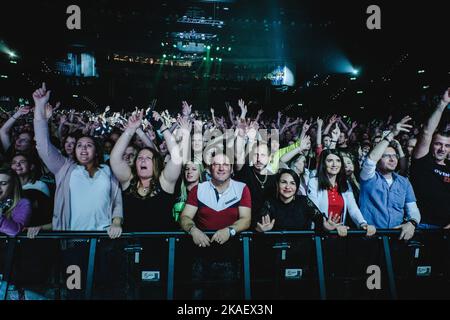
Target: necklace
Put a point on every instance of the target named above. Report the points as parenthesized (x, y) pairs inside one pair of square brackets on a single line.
[(144, 189), (262, 183)]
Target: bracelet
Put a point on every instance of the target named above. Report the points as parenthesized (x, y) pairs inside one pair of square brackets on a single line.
[(14, 118), (164, 130), (334, 141), (190, 229), (413, 222)]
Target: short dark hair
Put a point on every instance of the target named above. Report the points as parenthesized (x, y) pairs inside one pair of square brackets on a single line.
[(291, 173), (444, 133)]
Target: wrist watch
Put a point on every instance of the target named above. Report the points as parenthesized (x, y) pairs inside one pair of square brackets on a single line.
[(232, 231), (413, 222)]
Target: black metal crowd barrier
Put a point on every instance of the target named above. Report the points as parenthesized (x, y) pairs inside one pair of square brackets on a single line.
[(385, 238)]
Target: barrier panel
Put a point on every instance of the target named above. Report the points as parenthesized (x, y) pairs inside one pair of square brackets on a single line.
[(273, 265)]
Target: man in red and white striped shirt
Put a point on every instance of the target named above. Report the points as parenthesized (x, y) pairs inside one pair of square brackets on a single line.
[(222, 205)]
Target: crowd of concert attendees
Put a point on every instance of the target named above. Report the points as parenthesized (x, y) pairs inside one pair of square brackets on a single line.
[(149, 170)]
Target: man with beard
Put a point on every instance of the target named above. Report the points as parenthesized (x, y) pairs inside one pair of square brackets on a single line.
[(430, 170), (387, 199), (259, 180)]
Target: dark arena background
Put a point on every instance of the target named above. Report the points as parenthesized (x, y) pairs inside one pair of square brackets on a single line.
[(101, 198)]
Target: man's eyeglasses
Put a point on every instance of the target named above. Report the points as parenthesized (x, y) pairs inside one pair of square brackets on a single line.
[(390, 156)]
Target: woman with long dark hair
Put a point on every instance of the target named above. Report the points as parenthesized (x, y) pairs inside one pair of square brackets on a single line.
[(148, 186), (88, 196), (289, 211), (332, 194)]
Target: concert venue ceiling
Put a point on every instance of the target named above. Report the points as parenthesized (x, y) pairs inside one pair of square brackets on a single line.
[(332, 55)]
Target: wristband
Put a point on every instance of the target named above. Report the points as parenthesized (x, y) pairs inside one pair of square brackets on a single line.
[(156, 124), (164, 130), (413, 222), (190, 229)]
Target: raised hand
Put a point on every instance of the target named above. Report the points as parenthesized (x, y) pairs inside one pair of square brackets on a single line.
[(185, 125), (335, 133), (41, 96), (266, 224), (243, 107), (402, 126), (354, 124), (48, 111), (333, 119), (135, 121), (22, 111), (305, 142), (62, 119), (319, 122), (186, 109)]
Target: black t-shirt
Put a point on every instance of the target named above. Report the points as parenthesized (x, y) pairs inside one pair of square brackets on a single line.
[(150, 213), (295, 215), (431, 183), (258, 193), (42, 207)]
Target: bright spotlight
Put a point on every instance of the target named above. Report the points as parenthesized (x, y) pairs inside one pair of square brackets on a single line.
[(355, 72)]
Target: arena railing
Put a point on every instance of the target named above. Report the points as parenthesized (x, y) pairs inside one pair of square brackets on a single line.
[(172, 238)]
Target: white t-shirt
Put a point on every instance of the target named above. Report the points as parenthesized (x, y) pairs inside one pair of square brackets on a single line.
[(38, 185), (90, 199)]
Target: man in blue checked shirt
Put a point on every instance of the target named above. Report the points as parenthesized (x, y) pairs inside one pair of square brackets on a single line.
[(387, 199)]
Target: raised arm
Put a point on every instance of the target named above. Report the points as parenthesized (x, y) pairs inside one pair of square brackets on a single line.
[(319, 132), (51, 156), (146, 139), (402, 161), (352, 128), (120, 167), (292, 153), (240, 145), (378, 150), (6, 128), (424, 141), (332, 121), (335, 136), (172, 169)]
